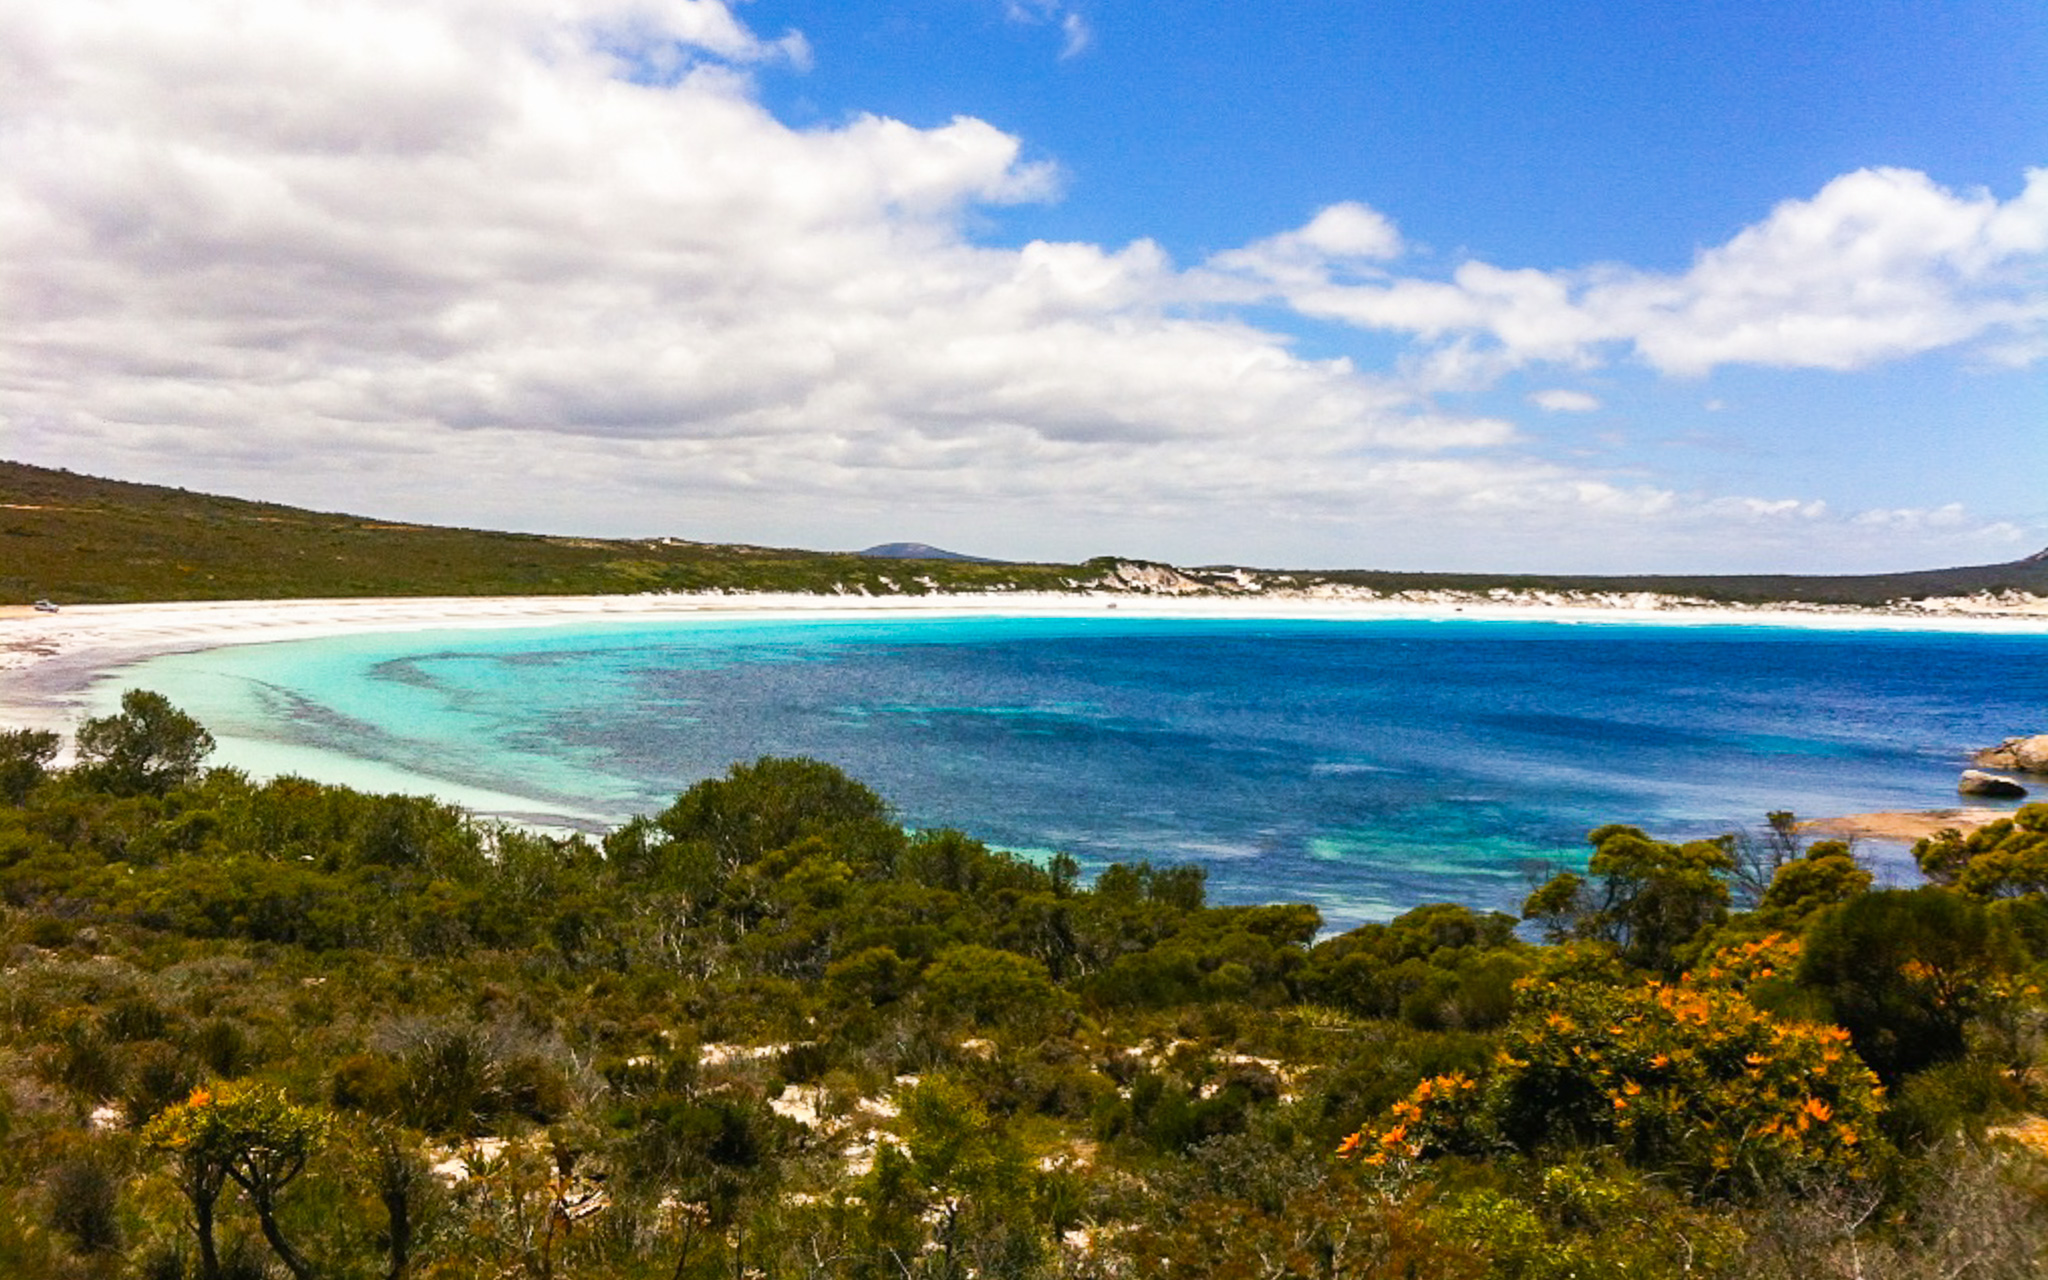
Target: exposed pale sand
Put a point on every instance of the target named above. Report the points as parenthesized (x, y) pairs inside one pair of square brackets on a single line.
[(49, 663), (1904, 828)]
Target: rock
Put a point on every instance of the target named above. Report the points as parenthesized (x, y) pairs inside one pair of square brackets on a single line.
[(1975, 782), (2027, 754)]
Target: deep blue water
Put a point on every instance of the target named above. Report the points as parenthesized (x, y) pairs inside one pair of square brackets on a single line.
[(1363, 766)]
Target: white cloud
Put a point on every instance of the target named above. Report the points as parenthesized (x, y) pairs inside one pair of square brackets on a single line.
[(1880, 264), (1564, 400), (1078, 35), (1913, 519), (393, 227), (1347, 240), (543, 263), (1075, 33)]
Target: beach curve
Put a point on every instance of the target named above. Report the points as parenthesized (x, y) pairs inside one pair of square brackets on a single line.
[(55, 667)]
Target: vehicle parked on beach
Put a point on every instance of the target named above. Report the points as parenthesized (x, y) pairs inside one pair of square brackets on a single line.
[(45, 606)]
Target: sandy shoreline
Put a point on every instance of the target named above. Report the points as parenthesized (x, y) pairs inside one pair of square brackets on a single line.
[(1902, 827), (50, 663)]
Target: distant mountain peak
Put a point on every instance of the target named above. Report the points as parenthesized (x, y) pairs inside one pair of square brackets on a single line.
[(919, 551), (2037, 557)]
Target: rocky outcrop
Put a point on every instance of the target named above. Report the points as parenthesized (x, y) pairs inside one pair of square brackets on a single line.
[(2030, 755), (1149, 579), (1975, 782)]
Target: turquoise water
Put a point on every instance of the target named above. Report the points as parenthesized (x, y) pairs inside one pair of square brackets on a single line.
[(1363, 766)]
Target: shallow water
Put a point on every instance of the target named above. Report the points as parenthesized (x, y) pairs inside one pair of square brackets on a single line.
[(1363, 766)]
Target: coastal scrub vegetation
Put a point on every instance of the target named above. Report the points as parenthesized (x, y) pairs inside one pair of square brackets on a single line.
[(286, 1029), (81, 539)]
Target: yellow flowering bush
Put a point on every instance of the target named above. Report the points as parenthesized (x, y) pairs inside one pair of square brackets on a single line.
[(1688, 1078), (238, 1122), (1740, 965), (250, 1134)]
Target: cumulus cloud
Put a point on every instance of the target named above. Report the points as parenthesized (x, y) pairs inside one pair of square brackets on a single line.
[(1880, 264), (551, 262), (1344, 241)]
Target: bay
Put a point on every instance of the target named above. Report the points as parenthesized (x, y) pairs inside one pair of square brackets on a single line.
[(1363, 766)]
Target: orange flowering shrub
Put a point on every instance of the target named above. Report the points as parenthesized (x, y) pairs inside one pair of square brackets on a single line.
[(1689, 1079), (1740, 965)]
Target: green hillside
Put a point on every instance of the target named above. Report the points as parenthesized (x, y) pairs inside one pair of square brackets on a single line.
[(80, 539)]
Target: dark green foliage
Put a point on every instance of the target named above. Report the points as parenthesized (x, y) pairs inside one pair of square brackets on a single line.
[(83, 1202), (1904, 971), (25, 756), (1173, 1118), (79, 539), (1438, 966), (696, 1026), (1823, 876), (769, 805), (2005, 859), (984, 985), (147, 749)]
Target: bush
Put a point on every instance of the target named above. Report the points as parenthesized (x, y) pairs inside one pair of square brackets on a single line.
[(84, 1203), (1691, 1080), (1904, 971), (150, 748), (25, 756)]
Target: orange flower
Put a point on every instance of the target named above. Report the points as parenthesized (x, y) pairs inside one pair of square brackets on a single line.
[(1394, 1137), (1819, 1110), (200, 1098), (1661, 1060), (1350, 1145)]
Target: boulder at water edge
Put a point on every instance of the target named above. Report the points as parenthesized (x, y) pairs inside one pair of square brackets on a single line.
[(2029, 754), (1975, 782)]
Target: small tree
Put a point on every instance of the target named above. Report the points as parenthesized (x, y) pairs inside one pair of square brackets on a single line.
[(1905, 971), (150, 748), (1760, 855), (250, 1134), (1645, 896), (25, 756), (1828, 873), (2005, 859)]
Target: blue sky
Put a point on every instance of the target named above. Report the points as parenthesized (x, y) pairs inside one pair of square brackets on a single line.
[(1542, 134), (1509, 286)]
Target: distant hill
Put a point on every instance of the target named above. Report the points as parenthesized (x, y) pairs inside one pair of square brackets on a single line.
[(920, 551), (83, 540)]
